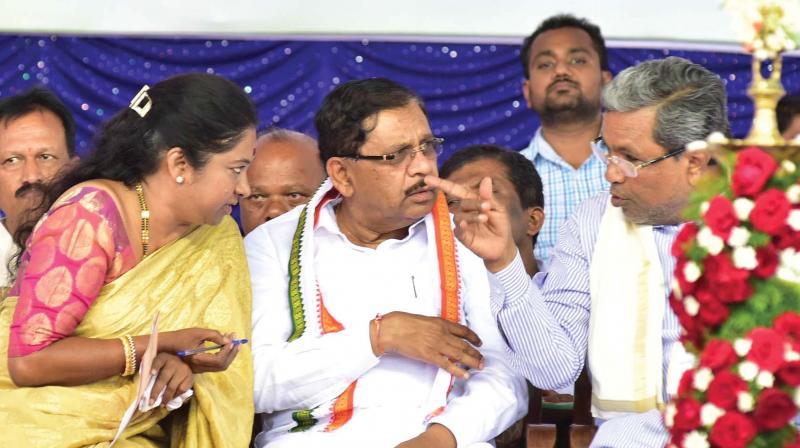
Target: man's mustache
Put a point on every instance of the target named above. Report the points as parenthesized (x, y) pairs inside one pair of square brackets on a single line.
[(29, 187), (562, 79), (416, 187)]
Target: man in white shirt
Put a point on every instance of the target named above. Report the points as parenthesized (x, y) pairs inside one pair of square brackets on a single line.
[(37, 138), (366, 311)]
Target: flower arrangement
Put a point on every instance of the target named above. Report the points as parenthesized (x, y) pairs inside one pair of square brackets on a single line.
[(736, 290), (737, 296)]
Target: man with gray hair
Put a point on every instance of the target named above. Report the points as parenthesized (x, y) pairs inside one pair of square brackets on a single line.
[(607, 287)]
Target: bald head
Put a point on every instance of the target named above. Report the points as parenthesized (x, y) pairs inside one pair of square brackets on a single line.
[(285, 172)]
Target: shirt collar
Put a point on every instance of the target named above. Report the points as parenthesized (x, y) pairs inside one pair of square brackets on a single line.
[(327, 221)]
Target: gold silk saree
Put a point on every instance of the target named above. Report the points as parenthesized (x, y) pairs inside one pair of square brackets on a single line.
[(200, 280)]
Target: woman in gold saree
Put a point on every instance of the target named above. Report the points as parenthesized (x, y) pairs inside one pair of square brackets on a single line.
[(139, 227)]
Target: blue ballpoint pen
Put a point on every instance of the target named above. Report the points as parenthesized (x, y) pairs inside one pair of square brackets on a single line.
[(208, 349)]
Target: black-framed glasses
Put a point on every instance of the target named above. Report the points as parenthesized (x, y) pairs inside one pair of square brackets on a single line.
[(430, 149), (628, 168)]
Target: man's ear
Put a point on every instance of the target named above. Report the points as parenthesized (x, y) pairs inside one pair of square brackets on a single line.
[(607, 76), (526, 93), (338, 170), (535, 220), (697, 165)]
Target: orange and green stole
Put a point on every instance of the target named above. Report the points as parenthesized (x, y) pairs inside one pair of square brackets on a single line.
[(309, 315)]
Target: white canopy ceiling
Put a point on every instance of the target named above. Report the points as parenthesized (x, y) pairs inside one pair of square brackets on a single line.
[(699, 21)]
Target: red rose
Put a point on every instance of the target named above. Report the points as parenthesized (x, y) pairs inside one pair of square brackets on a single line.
[(685, 385), (728, 282), (721, 217), (774, 409), (767, 349), (718, 354), (786, 238), (733, 430), (712, 312), (788, 324), (789, 373), (724, 389), (770, 211), (692, 329), (768, 260), (687, 416), (753, 168), (686, 235)]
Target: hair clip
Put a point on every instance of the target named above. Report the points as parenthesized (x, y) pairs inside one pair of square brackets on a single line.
[(141, 103)]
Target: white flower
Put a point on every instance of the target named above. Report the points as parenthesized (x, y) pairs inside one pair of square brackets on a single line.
[(765, 379), (691, 305), (789, 267), (745, 258), (697, 145), (704, 207), (791, 355), (669, 415), (794, 220), (691, 271), (788, 166), (695, 439), (702, 378), (797, 397), (710, 413), (743, 207), (710, 242), (744, 401), (739, 237), (748, 370), (742, 346), (717, 138), (793, 193)]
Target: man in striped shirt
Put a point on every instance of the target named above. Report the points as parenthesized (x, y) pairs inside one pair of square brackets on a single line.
[(652, 111), (566, 66)]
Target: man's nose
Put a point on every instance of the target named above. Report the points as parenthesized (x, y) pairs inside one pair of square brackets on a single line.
[(31, 173), (276, 207)]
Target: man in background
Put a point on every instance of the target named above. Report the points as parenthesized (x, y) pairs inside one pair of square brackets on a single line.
[(37, 138), (285, 173), (566, 66)]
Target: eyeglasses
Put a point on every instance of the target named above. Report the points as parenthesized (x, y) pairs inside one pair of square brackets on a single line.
[(628, 168), (429, 148)]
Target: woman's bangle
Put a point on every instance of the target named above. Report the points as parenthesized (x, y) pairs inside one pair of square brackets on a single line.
[(130, 354)]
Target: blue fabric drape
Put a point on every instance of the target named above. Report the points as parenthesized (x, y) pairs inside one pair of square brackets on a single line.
[(472, 91)]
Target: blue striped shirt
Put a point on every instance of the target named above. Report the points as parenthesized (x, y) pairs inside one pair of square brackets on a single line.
[(564, 188), (546, 319)]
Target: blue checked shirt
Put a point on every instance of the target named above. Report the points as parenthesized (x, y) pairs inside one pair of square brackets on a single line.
[(546, 319), (564, 188)]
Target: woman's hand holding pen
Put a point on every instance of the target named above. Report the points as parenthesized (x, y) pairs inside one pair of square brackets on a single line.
[(190, 338)]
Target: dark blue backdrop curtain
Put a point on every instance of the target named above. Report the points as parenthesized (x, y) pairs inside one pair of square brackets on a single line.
[(472, 91)]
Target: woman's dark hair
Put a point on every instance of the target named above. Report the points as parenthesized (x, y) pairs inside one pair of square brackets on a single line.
[(340, 119), (200, 113)]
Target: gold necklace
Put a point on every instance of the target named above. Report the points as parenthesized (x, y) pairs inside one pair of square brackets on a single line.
[(145, 216)]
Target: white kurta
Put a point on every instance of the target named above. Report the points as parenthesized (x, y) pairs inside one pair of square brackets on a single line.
[(393, 392), (7, 250)]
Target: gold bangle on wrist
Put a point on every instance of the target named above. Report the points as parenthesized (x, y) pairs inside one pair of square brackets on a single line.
[(130, 354)]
